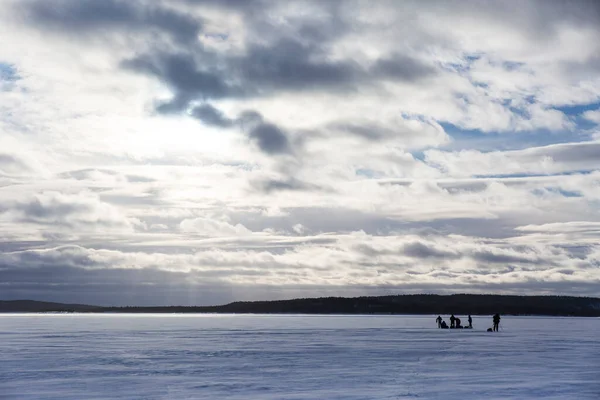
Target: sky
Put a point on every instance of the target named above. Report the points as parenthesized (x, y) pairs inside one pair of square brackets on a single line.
[(197, 152)]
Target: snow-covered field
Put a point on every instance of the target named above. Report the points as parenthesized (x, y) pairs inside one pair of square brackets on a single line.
[(70, 356)]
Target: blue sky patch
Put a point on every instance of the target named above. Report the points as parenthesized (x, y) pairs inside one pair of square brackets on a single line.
[(522, 175), (575, 112), (578, 109), (8, 77), (564, 193), (8, 72), (473, 139)]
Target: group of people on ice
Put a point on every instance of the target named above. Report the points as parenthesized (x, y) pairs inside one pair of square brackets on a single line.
[(455, 323)]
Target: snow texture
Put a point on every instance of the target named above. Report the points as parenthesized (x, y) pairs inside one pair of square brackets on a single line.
[(77, 356)]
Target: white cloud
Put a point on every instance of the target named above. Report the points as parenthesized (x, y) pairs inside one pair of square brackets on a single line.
[(592, 115), (572, 226), (422, 147), (299, 229), (552, 159), (79, 211), (211, 227)]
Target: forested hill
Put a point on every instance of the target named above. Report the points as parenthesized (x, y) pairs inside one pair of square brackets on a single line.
[(43, 306), (407, 304), (400, 304)]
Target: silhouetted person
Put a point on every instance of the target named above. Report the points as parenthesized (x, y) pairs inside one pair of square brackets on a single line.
[(496, 320), (470, 321), (458, 325), (452, 320), (444, 325), (439, 321)]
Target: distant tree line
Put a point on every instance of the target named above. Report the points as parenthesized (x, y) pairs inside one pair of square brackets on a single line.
[(398, 304)]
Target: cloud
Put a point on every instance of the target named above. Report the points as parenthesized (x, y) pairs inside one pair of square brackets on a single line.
[(206, 151), (420, 250), (212, 227), (409, 133), (209, 115), (562, 227), (592, 115), (288, 184), (79, 211), (286, 65), (377, 264), (401, 67), (270, 139), (187, 79), (87, 16), (490, 257), (556, 158), (9, 164)]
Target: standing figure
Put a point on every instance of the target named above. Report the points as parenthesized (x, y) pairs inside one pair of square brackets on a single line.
[(452, 319), (496, 320), (470, 321), (439, 321)]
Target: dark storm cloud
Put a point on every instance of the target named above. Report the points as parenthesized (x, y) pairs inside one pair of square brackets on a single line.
[(291, 65), (185, 77), (250, 118), (401, 67), (211, 116), (287, 65), (107, 286), (76, 273), (148, 287), (370, 251), (420, 250), (289, 184), (365, 130), (279, 57), (264, 69), (499, 258), (289, 59), (81, 16), (37, 211), (464, 187), (237, 5), (270, 139), (176, 105), (54, 208)]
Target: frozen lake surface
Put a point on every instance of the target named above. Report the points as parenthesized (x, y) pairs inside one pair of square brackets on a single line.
[(157, 356)]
